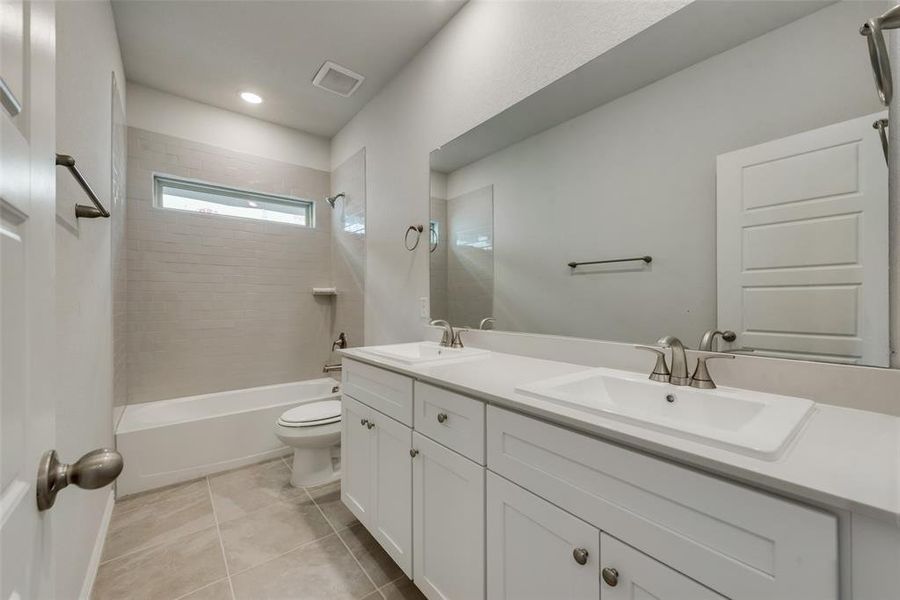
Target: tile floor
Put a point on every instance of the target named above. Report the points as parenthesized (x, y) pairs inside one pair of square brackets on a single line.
[(244, 535)]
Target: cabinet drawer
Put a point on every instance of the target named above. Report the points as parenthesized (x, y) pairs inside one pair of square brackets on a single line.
[(451, 419), (385, 391), (737, 541)]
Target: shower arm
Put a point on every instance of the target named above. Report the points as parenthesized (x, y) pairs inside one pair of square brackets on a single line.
[(872, 30)]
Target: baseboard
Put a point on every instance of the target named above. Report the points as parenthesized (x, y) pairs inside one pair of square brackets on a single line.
[(97, 553)]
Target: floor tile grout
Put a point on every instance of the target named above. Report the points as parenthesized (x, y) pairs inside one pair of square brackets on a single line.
[(212, 503), (212, 583), (153, 545), (286, 552), (353, 556)]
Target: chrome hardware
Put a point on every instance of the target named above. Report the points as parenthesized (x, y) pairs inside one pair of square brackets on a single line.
[(881, 125), (610, 576), (9, 100), (660, 369), (878, 53), (709, 338), (335, 389), (340, 342), (580, 555), (363, 422), (370, 424), (413, 452), (487, 323), (679, 374), (701, 378), (417, 229), (646, 259), (82, 210), (96, 469), (442, 417), (457, 341), (448, 338), (331, 367)]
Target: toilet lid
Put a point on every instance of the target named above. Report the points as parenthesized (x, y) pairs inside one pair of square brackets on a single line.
[(322, 412)]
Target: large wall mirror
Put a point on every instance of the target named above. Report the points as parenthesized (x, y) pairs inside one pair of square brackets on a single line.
[(718, 171)]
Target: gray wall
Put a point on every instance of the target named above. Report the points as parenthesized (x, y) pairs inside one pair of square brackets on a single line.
[(218, 303), (637, 176), (87, 54)]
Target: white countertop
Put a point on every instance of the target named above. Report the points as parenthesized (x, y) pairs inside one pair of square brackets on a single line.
[(843, 458)]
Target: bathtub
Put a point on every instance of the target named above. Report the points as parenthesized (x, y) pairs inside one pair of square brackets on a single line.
[(170, 441)]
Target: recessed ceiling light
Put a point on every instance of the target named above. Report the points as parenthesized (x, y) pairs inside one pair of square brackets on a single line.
[(251, 97)]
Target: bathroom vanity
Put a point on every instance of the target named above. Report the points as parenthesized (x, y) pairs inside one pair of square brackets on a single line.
[(480, 491)]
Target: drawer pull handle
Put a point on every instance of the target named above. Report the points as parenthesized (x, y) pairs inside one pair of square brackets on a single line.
[(610, 576), (370, 424), (580, 555), (442, 417), (413, 452), (363, 422)]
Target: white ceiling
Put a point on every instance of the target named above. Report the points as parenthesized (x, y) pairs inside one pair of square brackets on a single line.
[(211, 51)]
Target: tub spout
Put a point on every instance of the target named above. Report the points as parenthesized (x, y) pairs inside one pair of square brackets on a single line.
[(329, 368)]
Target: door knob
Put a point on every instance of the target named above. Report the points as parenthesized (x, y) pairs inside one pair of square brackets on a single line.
[(610, 576), (580, 555), (96, 469)]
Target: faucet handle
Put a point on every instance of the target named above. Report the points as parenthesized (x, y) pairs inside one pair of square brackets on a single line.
[(661, 371), (457, 341), (701, 378)]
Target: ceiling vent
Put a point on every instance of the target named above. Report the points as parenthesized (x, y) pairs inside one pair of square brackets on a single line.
[(337, 79)]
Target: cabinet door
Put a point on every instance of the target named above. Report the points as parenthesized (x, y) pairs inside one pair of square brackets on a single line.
[(535, 550), (448, 523), (356, 459), (632, 575), (392, 489)]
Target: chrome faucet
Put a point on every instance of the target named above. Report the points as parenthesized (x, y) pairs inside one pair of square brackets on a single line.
[(449, 338), (457, 341), (487, 323), (679, 374), (340, 342), (706, 342)]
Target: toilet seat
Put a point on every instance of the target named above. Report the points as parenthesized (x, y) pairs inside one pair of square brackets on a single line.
[(312, 414)]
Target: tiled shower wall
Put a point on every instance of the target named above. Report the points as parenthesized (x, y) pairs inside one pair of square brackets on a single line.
[(218, 303)]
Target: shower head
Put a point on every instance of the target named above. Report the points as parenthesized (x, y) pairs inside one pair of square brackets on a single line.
[(331, 200)]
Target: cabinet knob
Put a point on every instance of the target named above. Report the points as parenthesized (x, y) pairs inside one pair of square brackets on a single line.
[(610, 576), (413, 452), (363, 422), (580, 555), (442, 417), (370, 424)]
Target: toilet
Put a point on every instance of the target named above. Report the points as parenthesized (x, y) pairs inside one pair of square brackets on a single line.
[(313, 430)]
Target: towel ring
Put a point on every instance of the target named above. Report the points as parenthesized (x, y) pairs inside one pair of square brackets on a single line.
[(432, 239), (878, 54), (418, 229)]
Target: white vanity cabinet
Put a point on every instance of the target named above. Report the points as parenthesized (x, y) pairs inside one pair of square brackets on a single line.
[(376, 479), (477, 501)]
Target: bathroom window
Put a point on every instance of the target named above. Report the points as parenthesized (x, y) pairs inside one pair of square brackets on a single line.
[(205, 198)]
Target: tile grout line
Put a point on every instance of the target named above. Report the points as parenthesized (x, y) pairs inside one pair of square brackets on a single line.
[(154, 545), (341, 540), (202, 588), (285, 553), (219, 536)]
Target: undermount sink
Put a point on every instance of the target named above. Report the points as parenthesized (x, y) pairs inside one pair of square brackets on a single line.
[(751, 423), (422, 352)]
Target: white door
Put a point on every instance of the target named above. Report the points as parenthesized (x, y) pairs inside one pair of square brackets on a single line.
[(803, 245), (356, 459), (535, 550), (631, 575), (448, 523), (392, 489), (27, 213)]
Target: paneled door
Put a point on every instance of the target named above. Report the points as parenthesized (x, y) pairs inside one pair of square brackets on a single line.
[(803, 245), (27, 213), (448, 522), (356, 461), (535, 550), (627, 574), (392, 489)]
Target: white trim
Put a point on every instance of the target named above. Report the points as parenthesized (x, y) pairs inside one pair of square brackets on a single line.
[(91, 575)]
